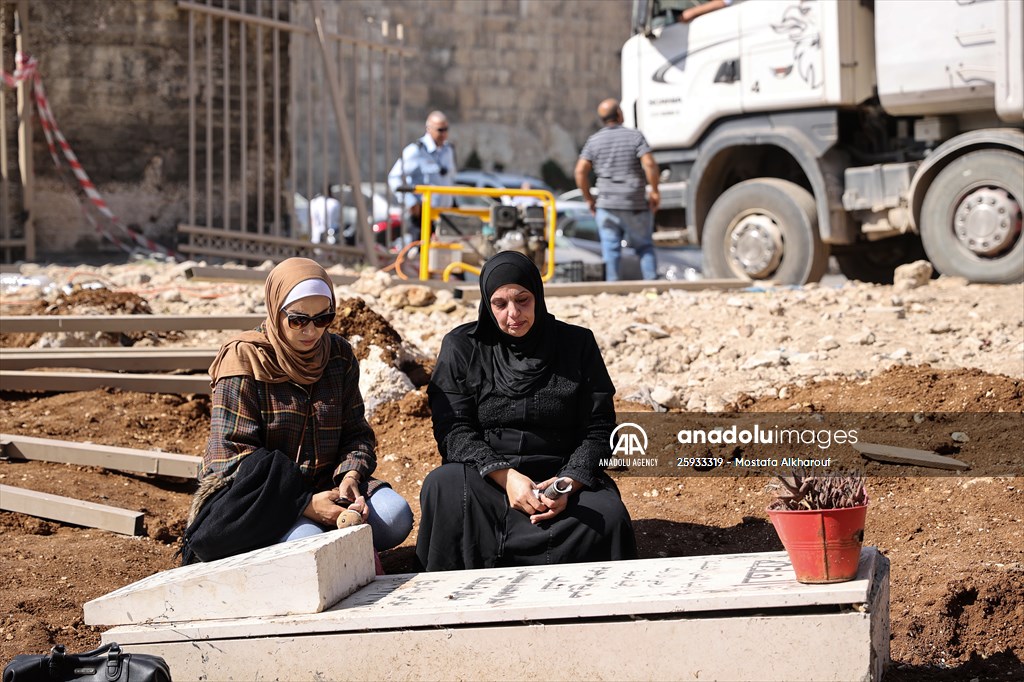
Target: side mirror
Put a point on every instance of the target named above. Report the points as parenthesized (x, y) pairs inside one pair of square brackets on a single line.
[(642, 10)]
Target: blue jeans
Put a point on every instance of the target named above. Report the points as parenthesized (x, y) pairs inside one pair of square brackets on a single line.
[(390, 520), (637, 228)]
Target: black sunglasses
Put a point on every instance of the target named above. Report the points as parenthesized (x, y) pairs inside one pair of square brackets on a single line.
[(300, 321)]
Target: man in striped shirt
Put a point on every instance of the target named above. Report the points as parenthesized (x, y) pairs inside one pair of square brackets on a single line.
[(624, 165)]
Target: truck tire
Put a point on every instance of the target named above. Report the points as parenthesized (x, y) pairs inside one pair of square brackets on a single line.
[(971, 217), (764, 229), (876, 262)]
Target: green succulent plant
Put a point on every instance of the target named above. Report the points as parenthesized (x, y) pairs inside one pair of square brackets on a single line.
[(833, 489)]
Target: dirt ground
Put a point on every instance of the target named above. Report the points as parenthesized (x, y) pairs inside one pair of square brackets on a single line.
[(955, 542)]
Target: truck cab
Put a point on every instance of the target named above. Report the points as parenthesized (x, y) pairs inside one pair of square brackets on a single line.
[(791, 131)]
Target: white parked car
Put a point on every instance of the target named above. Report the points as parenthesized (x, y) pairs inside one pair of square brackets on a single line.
[(385, 212), (375, 194)]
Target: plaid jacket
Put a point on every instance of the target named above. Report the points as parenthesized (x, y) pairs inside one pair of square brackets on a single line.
[(249, 414)]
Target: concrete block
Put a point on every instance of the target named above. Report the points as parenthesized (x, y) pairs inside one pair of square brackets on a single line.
[(299, 577), (714, 617)]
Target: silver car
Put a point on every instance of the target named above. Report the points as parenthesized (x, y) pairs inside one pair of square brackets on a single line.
[(578, 238)]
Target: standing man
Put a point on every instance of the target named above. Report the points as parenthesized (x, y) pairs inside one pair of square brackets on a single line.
[(624, 165), (429, 160)]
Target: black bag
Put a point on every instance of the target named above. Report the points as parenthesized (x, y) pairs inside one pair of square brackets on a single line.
[(251, 510), (106, 664)]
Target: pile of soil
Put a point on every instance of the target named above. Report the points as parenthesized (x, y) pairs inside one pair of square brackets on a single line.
[(365, 327), (357, 321), (78, 301)]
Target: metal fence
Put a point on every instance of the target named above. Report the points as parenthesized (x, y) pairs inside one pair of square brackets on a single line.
[(286, 103)]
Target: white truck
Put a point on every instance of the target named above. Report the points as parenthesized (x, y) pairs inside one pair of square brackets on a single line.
[(878, 132)]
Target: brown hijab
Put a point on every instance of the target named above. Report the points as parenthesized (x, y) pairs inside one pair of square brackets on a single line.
[(263, 353)]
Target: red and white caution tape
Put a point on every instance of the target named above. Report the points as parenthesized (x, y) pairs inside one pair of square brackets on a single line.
[(27, 70)]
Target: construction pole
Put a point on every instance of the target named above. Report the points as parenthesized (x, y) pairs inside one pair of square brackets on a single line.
[(25, 133), (5, 188), (369, 243)]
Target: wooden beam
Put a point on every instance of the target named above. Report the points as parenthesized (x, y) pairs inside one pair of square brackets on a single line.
[(105, 456), (126, 323), (123, 359), (250, 275), (15, 380), (68, 510), (896, 455), (472, 293)]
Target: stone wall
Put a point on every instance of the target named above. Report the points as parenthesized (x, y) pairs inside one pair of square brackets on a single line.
[(115, 75), (519, 80)]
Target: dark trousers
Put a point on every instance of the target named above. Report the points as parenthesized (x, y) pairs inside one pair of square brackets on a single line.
[(412, 225)]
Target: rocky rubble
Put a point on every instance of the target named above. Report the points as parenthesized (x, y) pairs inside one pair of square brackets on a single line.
[(703, 350)]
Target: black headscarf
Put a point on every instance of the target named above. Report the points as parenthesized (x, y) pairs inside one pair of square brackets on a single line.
[(518, 364)]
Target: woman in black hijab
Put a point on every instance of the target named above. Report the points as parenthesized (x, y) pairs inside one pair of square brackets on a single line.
[(520, 400)]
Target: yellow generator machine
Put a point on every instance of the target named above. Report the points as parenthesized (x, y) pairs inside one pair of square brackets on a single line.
[(464, 237)]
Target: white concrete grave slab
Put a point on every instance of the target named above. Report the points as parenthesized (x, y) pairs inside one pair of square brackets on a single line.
[(740, 616), (302, 576)]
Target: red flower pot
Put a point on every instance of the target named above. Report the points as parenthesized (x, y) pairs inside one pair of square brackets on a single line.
[(823, 544)]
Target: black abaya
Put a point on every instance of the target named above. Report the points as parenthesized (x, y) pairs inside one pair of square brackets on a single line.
[(559, 428)]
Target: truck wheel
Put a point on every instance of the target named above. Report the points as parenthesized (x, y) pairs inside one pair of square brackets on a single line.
[(876, 262), (971, 217), (764, 229)]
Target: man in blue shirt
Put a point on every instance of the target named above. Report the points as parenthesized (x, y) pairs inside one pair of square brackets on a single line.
[(429, 160), (624, 165)]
